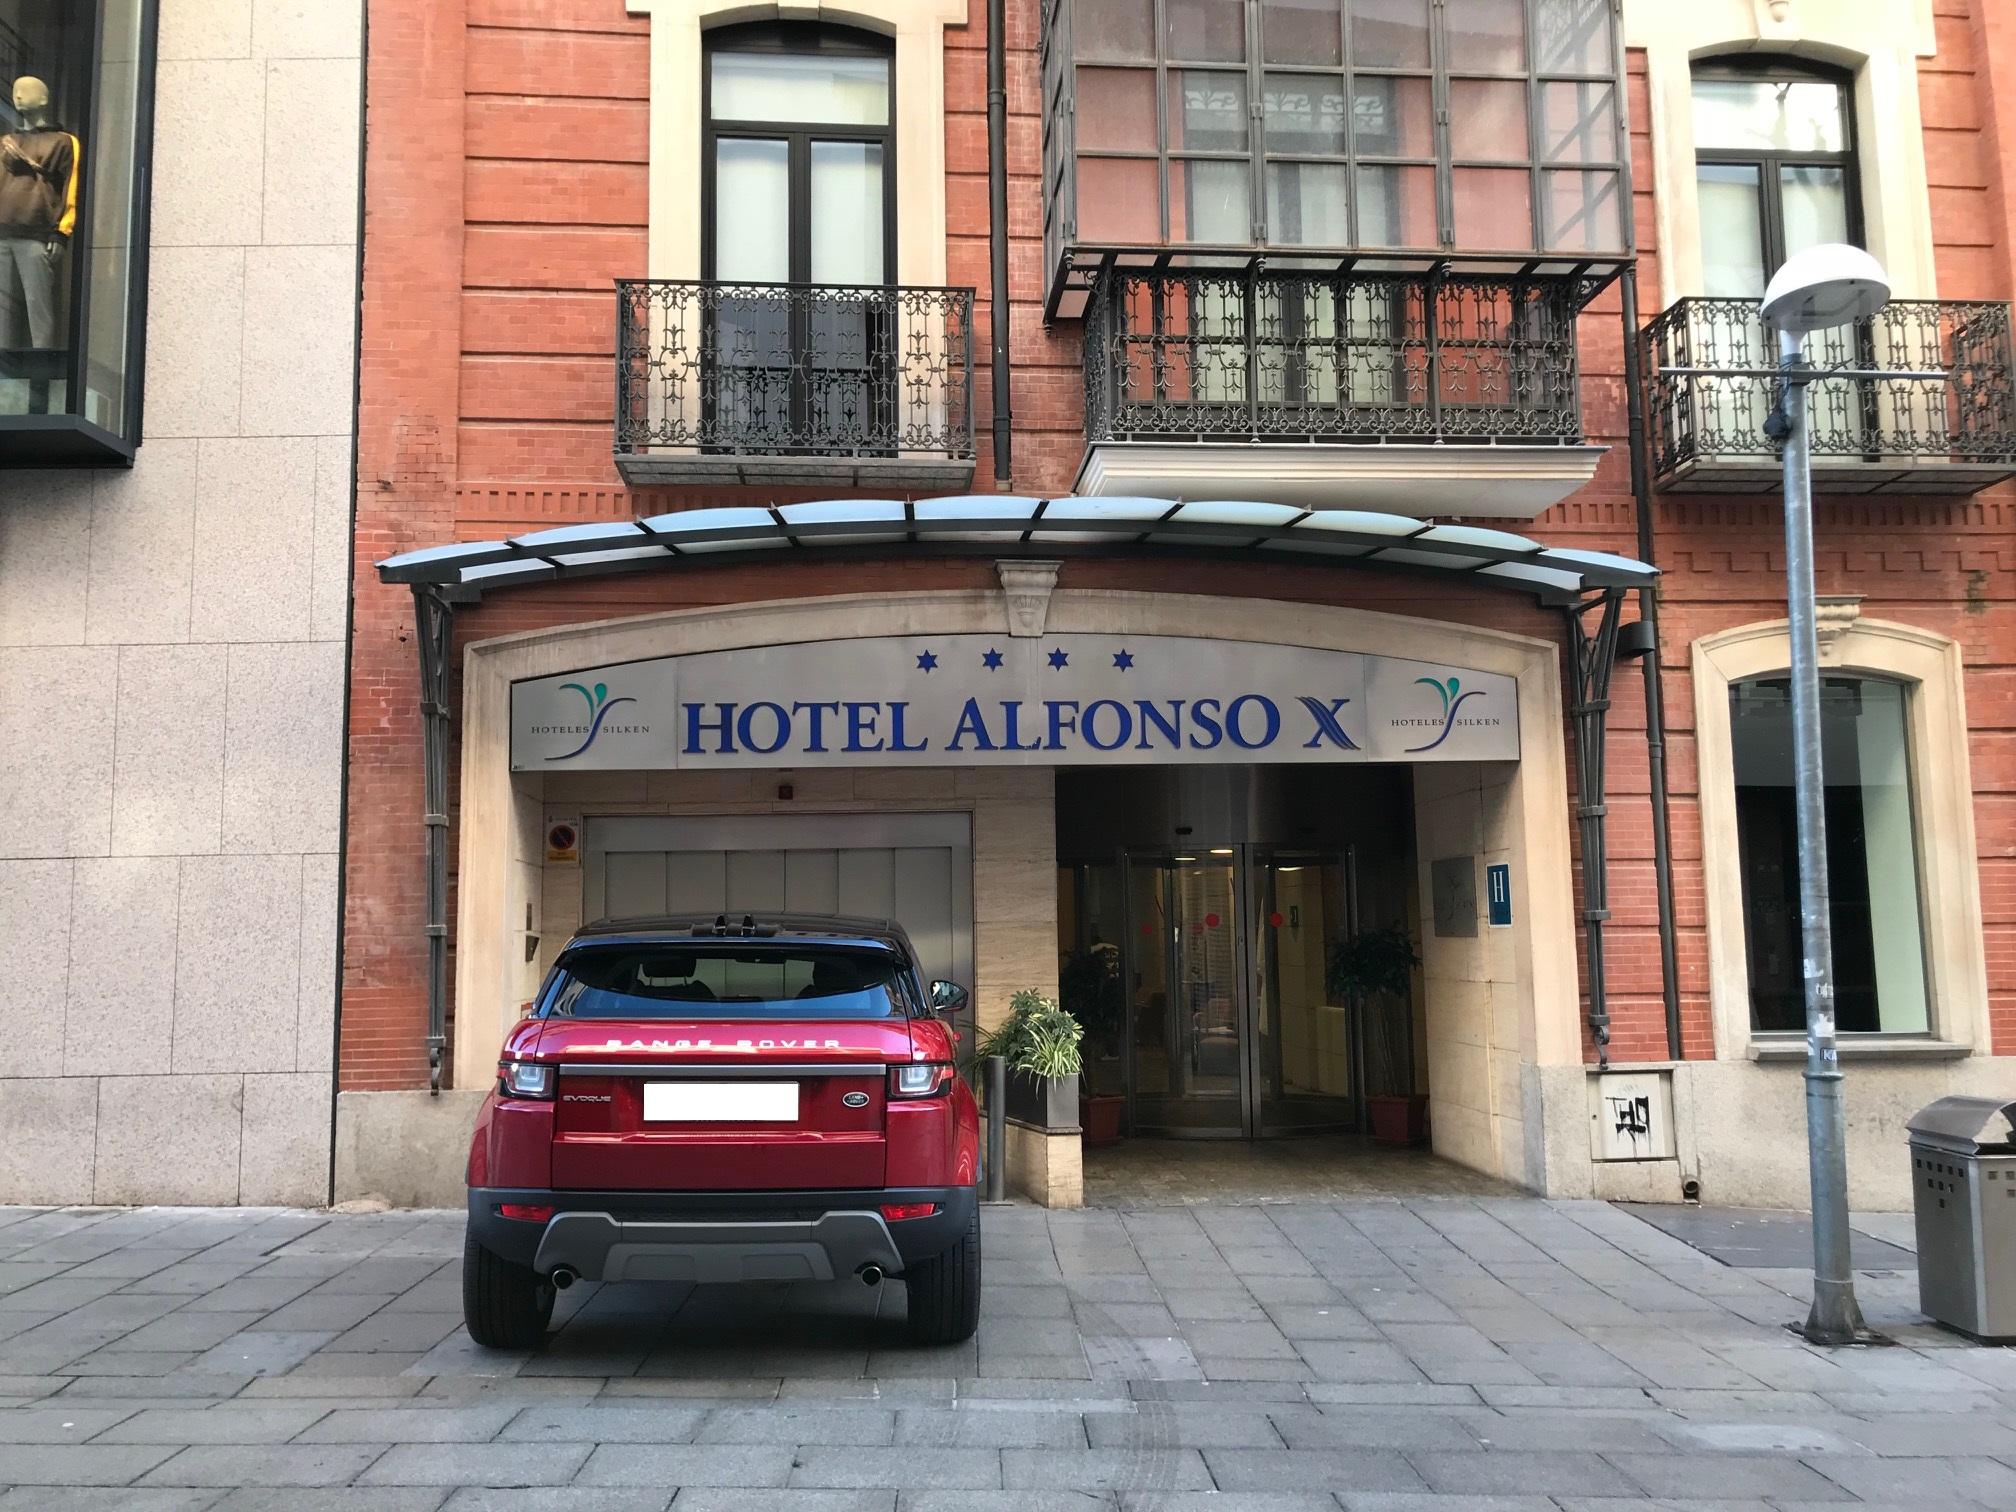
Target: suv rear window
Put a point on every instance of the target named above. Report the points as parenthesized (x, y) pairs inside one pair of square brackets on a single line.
[(727, 981)]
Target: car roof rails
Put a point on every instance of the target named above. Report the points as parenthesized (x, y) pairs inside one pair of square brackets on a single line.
[(747, 929)]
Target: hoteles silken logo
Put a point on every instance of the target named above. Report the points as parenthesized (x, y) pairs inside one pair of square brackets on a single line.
[(599, 704), (1453, 698)]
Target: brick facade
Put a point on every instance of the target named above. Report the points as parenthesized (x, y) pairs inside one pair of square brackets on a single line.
[(506, 189)]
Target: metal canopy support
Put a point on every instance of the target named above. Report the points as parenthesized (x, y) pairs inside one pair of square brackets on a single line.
[(1591, 656), (1649, 664), (434, 630)]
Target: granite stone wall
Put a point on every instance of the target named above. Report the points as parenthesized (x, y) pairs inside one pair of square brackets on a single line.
[(172, 665)]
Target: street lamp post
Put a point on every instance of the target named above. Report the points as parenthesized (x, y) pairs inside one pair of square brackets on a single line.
[(1817, 289)]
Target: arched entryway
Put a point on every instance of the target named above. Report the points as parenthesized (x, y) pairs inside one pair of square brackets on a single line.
[(1500, 1000)]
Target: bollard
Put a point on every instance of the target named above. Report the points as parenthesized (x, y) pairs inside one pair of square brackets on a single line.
[(997, 1128)]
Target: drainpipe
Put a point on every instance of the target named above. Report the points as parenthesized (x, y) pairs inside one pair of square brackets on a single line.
[(999, 315), (1655, 694)]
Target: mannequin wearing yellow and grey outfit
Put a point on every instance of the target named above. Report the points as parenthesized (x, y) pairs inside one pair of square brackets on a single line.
[(38, 211)]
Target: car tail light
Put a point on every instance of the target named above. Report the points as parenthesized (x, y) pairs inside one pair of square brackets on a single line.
[(524, 1079), (919, 1079), (896, 1212), (524, 1212)]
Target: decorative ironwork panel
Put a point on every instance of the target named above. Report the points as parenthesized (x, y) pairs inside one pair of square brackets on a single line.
[(1248, 354), (1715, 408), (794, 370)]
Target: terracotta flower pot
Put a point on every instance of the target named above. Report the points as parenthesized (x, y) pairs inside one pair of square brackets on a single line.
[(1099, 1114), (1397, 1119)]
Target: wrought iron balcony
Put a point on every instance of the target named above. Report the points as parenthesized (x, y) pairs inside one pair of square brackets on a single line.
[(793, 383), (1905, 433), (1463, 382)]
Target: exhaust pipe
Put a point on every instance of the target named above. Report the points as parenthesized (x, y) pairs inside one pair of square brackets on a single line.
[(564, 1276), (871, 1274)]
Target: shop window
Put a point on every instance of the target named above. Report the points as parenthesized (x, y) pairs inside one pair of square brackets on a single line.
[(1872, 856), (76, 107), (1336, 124)]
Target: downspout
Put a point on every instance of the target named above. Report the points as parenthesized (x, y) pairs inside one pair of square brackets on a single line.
[(1655, 690), (999, 313), (1639, 445)]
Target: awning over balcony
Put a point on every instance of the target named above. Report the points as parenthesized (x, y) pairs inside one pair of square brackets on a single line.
[(1006, 525)]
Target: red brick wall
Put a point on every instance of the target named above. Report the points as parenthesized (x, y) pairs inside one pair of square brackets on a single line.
[(505, 190)]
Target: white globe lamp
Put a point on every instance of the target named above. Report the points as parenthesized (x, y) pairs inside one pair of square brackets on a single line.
[(1825, 286)]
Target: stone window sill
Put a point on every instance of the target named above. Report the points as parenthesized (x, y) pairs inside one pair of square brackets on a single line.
[(1777, 1049)]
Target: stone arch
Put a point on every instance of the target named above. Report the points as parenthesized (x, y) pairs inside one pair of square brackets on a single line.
[(1879, 42), (1930, 666)]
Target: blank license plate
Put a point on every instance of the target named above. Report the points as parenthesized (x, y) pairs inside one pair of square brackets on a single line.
[(721, 1102)]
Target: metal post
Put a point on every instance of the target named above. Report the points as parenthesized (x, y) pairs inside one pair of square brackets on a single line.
[(997, 1127), (1836, 1318)]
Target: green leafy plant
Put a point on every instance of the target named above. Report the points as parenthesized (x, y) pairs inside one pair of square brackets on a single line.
[(1089, 985), (1037, 1036), (1373, 972), (1371, 963)]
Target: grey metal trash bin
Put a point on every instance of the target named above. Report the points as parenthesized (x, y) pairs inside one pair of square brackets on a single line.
[(1963, 1184)]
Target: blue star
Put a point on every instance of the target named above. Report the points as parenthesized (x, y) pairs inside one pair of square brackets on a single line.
[(1123, 659), (991, 659), (926, 662), (1058, 659)]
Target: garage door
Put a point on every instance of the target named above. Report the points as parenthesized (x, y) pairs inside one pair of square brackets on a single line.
[(914, 868)]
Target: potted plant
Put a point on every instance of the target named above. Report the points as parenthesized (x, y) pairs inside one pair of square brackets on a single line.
[(1089, 985), (1039, 1041), (1373, 972)]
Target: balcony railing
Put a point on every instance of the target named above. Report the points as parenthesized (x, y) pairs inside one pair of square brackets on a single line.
[(1897, 433), (1248, 354), (816, 383)]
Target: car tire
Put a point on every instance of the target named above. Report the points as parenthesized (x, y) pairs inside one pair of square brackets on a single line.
[(945, 1291), (506, 1306)]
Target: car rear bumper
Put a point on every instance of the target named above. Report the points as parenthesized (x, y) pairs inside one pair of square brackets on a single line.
[(719, 1236)]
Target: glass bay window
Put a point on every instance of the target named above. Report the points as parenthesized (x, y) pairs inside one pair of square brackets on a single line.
[(1486, 126)]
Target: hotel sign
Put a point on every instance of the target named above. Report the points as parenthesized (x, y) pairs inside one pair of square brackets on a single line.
[(982, 700)]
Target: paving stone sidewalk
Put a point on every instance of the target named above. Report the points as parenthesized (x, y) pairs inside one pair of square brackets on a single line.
[(1429, 1354)]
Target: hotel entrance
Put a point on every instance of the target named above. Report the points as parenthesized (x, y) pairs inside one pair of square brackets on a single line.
[(1202, 966), (1230, 1029)]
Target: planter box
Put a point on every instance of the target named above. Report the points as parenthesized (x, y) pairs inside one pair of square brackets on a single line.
[(1043, 1102)]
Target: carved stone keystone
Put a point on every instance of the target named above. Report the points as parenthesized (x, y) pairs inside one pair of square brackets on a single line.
[(1028, 586)]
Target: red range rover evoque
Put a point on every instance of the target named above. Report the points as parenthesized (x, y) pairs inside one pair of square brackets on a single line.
[(700, 1100)]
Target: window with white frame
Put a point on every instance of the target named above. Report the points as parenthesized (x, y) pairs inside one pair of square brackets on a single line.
[(1875, 902), (1775, 167)]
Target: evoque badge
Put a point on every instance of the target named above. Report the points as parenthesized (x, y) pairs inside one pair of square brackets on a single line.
[(856, 1099)]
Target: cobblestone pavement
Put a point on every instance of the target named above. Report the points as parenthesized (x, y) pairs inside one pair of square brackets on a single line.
[(1421, 1355)]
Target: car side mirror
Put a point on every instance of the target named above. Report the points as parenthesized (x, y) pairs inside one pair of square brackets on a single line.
[(947, 997)]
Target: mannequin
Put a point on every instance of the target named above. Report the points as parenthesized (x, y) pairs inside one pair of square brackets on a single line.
[(38, 211)]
